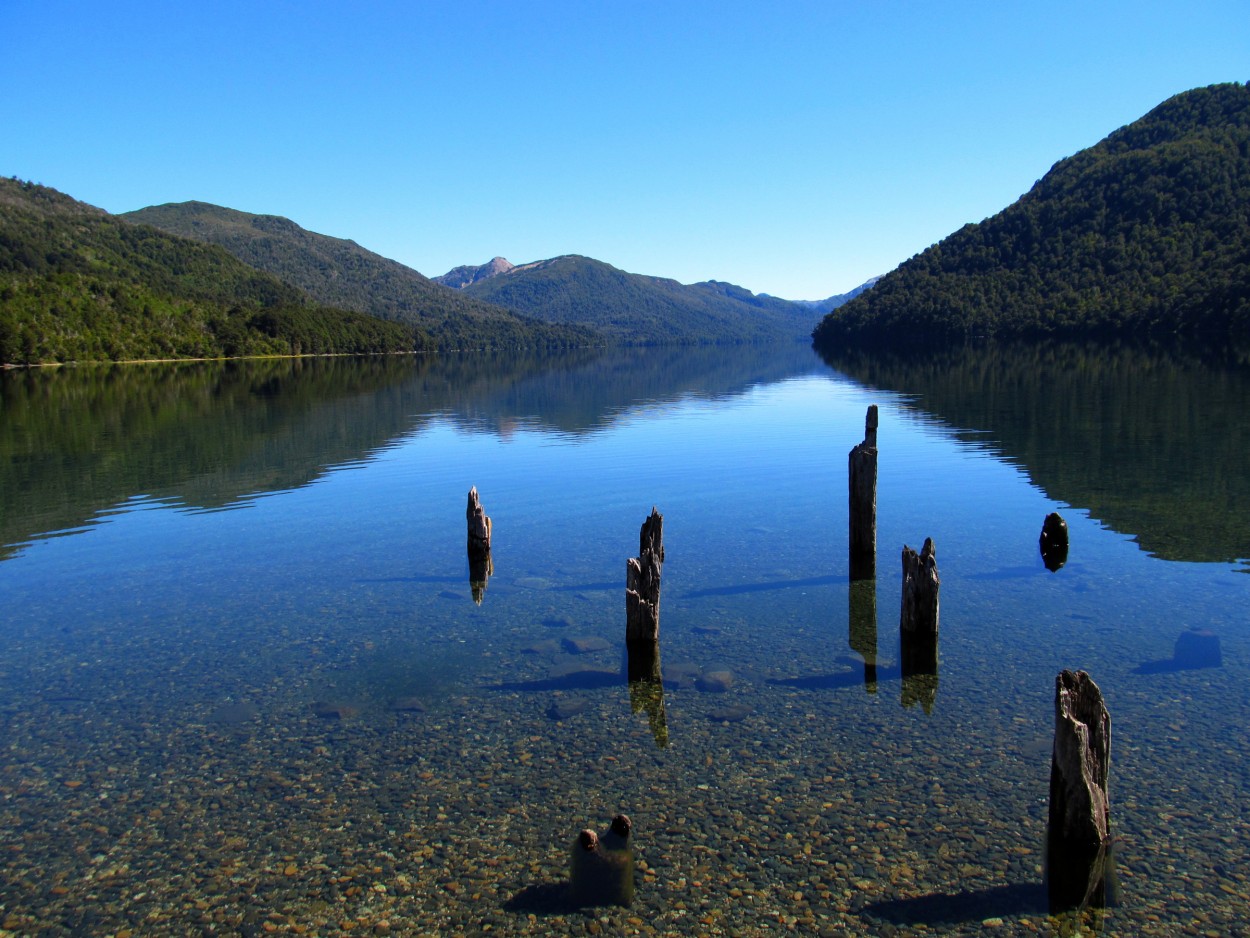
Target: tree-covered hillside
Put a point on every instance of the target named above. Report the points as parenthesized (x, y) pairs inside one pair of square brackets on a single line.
[(77, 284), (638, 309), (1147, 232), (341, 273)]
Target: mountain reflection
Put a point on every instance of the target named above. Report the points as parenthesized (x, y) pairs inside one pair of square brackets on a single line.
[(80, 443), (1139, 437)]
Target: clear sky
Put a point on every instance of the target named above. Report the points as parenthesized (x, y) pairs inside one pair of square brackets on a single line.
[(794, 148)]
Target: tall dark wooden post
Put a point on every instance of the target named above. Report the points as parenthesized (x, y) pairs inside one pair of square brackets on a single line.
[(642, 582), (863, 501), (642, 626), (1079, 830)]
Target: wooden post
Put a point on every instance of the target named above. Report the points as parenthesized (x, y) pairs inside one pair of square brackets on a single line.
[(480, 564), (918, 626), (919, 613), (1079, 829), (642, 583), (862, 474)]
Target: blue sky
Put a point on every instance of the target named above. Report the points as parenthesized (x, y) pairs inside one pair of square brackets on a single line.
[(793, 148)]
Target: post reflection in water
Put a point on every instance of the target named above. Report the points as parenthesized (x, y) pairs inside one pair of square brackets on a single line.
[(646, 686), (918, 654), (480, 571), (863, 628)]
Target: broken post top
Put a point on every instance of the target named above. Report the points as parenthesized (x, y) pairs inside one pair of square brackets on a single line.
[(642, 582), (651, 537), (870, 426), (923, 563), (479, 523)]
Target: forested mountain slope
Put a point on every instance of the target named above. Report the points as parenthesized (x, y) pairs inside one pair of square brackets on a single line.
[(1147, 232), (341, 273), (640, 309), (77, 284)]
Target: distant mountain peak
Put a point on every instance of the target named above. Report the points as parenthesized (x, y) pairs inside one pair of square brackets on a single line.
[(460, 277), (340, 273), (635, 308)]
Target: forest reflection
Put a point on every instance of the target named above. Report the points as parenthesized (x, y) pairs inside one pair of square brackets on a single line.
[(1143, 438)]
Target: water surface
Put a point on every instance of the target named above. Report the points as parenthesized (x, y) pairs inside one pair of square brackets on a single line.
[(245, 687)]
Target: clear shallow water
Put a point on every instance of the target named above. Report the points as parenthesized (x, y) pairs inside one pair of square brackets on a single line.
[(198, 679)]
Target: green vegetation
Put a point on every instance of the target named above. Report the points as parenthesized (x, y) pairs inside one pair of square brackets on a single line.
[(341, 273), (77, 284), (1147, 232), (643, 310)]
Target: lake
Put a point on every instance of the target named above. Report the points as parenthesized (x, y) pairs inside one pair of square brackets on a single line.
[(245, 686)]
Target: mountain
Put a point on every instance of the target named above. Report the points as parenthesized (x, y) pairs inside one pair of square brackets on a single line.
[(78, 284), (342, 273), (1146, 233), (638, 309), (833, 302), (461, 277)]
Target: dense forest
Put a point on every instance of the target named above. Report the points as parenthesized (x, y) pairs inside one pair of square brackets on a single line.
[(639, 309), (77, 284), (1148, 232), (341, 273)]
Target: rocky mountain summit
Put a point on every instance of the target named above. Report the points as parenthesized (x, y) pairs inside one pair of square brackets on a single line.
[(460, 277)]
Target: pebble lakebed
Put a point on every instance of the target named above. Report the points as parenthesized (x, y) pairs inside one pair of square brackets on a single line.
[(366, 786)]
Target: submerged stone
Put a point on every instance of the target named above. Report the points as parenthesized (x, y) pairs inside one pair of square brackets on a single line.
[(1198, 648), (567, 707), (333, 710), (548, 646), (680, 675), (234, 713), (585, 644), (408, 705), (715, 682)]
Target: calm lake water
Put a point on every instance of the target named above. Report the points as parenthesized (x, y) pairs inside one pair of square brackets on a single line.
[(245, 689)]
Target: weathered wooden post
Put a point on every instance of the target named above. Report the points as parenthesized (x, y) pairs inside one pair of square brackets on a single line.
[(1079, 828), (918, 626), (642, 626), (862, 474), (642, 582), (1054, 541), (480, 564)]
